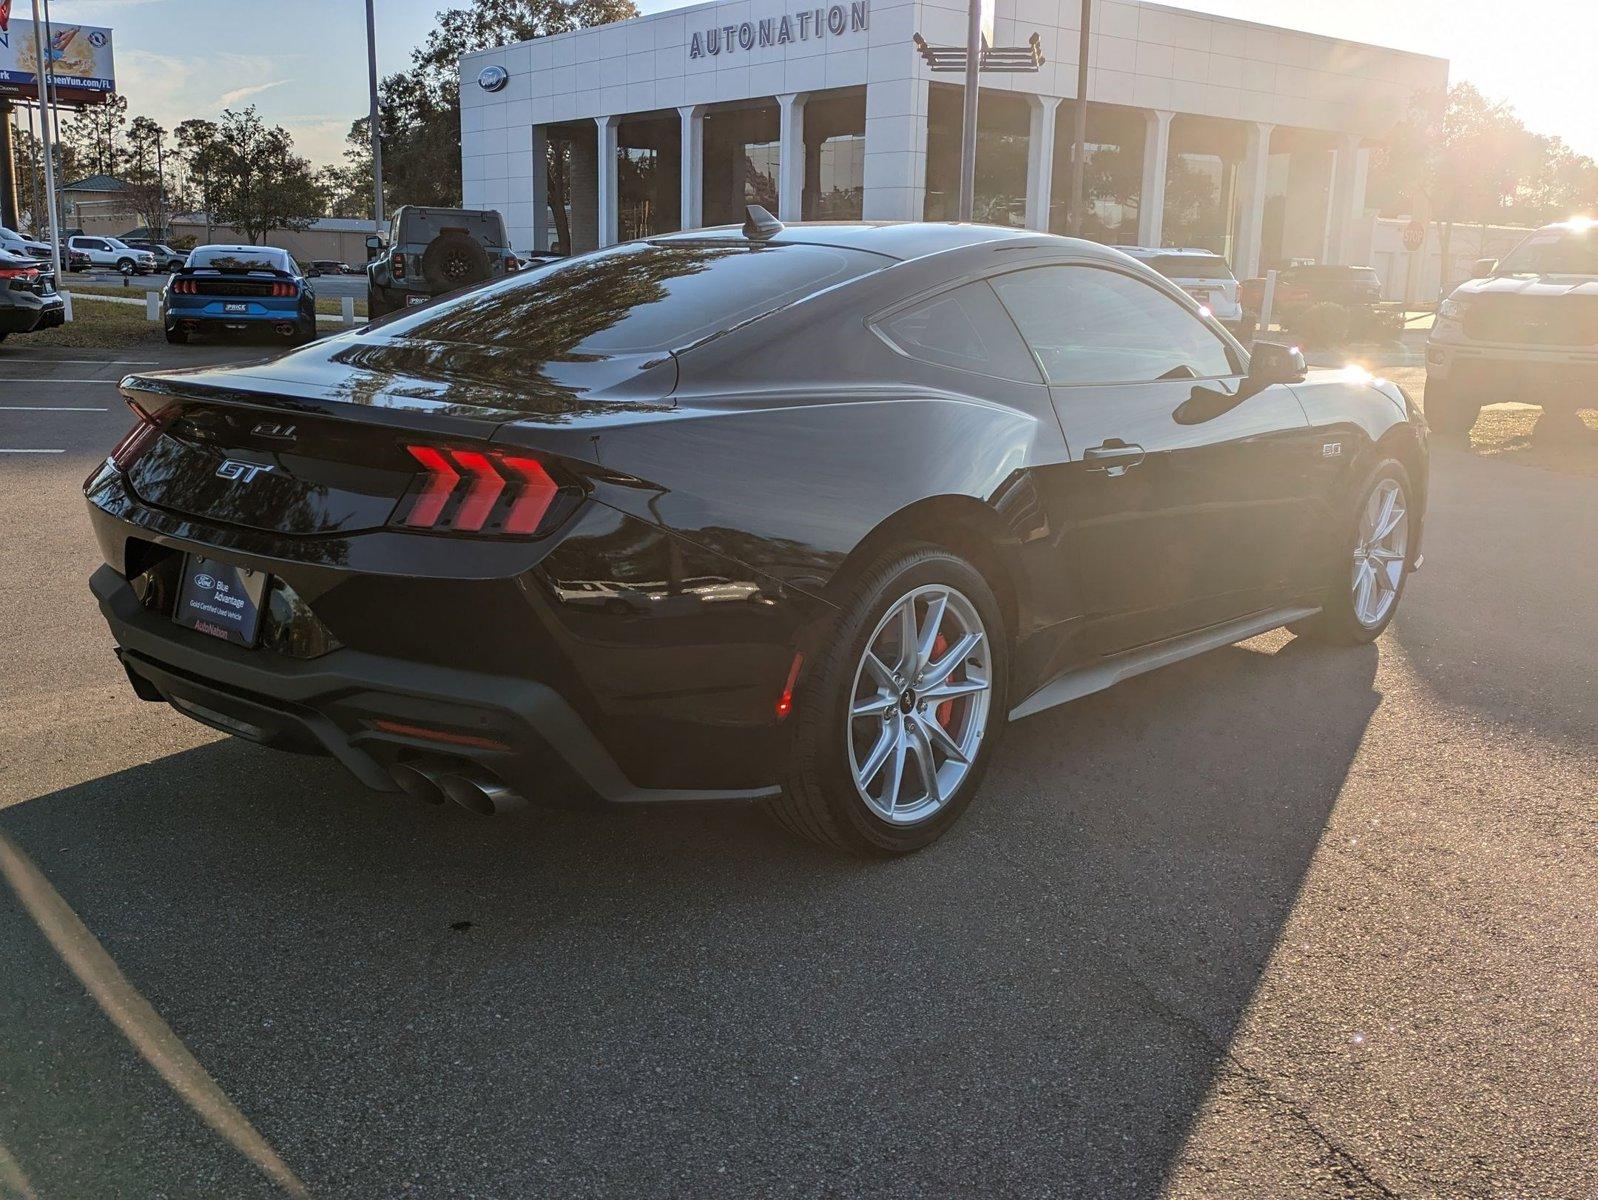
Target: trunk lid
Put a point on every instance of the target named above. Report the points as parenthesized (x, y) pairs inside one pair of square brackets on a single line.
[(313, 443)]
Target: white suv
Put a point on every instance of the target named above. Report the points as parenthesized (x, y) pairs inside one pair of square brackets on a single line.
[(113, 252), (1526, 328), (1202, 274)]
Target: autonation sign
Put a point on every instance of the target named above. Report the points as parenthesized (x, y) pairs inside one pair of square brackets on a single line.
[(777, 31)]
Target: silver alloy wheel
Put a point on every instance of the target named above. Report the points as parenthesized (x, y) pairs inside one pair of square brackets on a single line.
[(918, 708), (1380, 553)]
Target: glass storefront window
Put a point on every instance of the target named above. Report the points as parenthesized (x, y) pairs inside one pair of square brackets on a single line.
[(840, 179)]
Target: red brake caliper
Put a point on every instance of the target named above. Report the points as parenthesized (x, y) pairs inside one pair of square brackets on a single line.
[(945, 712)]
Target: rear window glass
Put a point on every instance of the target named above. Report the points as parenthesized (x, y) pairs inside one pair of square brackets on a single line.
[(1190, 266), (636, 298), (1553, 253), (423, 225), (236, 258)]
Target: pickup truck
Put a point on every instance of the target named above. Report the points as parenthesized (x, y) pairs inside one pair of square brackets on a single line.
[(1525, 328)]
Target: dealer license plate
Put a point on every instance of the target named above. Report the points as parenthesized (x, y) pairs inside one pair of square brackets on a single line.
[(220, 599)]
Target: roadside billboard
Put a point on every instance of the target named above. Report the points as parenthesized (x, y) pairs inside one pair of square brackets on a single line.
[(79, 57)]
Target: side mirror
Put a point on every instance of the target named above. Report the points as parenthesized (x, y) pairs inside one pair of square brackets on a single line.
[(1271, 362), (374, 246), (1484, 267)]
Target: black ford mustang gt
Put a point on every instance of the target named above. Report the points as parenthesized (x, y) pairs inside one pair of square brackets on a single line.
[(802, 515)]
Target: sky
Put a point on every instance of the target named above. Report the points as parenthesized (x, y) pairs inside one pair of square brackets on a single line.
[(302, 62)]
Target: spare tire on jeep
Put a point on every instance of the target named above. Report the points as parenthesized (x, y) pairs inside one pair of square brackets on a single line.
[(454, 259)]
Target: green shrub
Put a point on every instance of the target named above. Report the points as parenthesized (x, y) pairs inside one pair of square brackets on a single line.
[(1323, 325)]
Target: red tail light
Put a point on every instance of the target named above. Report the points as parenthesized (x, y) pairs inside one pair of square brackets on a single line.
[(186, 287), (470, 491), (398, 267), (137, 440), (284, 289), (19, 272)]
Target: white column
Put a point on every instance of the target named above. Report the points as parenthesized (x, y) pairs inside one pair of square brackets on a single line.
[(791, 161), (540, 188), (1040, 160), (1252, 181), (609, 200), (896, 147), (1345, 172), (693, 165), (1156, 150)]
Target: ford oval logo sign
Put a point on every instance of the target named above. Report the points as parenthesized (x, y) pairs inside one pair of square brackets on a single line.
[(491, 79)]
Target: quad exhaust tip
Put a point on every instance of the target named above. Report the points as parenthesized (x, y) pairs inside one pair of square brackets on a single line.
[(473, 789), (481, 794), (420, 782)]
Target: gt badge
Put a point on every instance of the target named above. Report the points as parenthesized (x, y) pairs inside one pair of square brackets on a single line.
[(244, 472)]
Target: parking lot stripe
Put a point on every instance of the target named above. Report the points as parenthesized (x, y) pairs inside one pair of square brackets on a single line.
[(49, 408), (5, 450), (54, 379), (83, 362)]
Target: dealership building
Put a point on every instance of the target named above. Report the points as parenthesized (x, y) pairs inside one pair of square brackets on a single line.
[(1251, 140)]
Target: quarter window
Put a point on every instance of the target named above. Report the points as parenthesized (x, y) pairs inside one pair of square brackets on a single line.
[(1092, 325), (964, 328)]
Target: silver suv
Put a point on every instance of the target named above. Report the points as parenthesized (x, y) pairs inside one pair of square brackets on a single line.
[(1202, 274), (1525, 329)]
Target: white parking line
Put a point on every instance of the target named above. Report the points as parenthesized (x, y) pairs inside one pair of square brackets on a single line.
[(83, 362), (54, 379), (4, 450), (49, 408)]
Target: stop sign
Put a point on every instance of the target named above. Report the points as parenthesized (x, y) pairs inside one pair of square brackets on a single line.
[(1414, 235)]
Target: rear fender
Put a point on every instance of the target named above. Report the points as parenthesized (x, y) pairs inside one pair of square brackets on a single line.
[(795, 485)]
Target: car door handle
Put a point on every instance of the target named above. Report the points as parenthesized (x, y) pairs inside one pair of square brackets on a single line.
[(1114, 457)]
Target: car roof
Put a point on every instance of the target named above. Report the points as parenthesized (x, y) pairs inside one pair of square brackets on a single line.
[(896, 239)]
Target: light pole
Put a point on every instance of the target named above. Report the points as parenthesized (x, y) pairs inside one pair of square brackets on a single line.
[(376, 131), (968, 130), (1079, 136), (49, 166)]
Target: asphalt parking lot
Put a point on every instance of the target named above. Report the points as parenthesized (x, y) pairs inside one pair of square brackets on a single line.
[(1283, 921)]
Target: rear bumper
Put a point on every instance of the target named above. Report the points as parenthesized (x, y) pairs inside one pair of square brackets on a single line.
[(28, 312), (211, 313), (524, 732)]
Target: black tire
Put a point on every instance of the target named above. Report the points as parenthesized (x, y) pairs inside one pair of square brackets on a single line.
[(125, 265), (376, 304), (1448, 411), (454, 260), (1338, 623), (178, 337), (819, 800)]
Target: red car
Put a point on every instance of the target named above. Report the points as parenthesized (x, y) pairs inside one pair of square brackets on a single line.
[(1299, 288)]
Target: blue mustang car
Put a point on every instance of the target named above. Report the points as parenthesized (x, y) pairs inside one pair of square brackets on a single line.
[(239, 289)]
